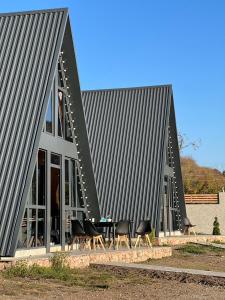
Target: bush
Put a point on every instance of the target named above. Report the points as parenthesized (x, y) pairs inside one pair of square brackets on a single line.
[(193, 249), (59, 260), (216, 227), (152, 236)]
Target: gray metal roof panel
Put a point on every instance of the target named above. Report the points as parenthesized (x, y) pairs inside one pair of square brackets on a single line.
[(127, 137), (30, 44)]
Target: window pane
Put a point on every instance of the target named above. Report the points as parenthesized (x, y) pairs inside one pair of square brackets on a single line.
[(49, 115), (41, 228), (33, 190), (68, 232), (55, 205), (80, 202), (31, 234), (68, 134), (60, 114), (73, 183), (80, 216), (22, 240), (60, 81), (67, 183), (55, 159), (41, 177)]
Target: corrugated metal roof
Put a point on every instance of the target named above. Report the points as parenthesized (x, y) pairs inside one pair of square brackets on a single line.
[(29, 47), (127, 131)]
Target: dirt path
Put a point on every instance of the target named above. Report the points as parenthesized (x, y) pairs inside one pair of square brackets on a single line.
[(136, 286), (208, 260)]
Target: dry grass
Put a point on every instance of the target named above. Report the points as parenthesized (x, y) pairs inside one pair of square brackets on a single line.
[(193, 256)]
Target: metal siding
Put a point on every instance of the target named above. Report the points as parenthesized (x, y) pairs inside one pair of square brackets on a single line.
[(79, 123), (30, 44), (127, 132), (178, 174)]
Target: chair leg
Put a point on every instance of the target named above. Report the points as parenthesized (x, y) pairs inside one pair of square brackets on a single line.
[(193, 230), (94, 246), (101, 242), (89, 244), (111, 243), (137, 241), (148, 240), (126, 242), (117, 242)]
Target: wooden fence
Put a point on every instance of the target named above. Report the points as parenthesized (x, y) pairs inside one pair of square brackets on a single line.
[(201, 198)]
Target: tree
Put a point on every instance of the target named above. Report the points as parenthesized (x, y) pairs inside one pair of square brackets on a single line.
[(183, 142), (200, 180)]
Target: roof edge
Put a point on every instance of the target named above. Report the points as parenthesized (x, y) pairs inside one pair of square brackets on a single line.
[(128, 88), (64, 9)]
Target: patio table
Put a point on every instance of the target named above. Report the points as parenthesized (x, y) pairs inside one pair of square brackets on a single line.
[(112, 230)]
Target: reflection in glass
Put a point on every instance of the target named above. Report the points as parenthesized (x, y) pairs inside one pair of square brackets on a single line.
[(67, 183), (55, 205), (49, 116), (80, 216), (74, 187), (55, 159), (41, 177), (33, 191), (41, 228), (22, 240), (60, 114), (68, 232), (32, 229), (31, 242), (80, 202)]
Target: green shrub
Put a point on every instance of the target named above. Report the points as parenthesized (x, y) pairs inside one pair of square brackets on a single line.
[(88, 278), (152, 235), (59, 260), (193, 249), (216, 227)]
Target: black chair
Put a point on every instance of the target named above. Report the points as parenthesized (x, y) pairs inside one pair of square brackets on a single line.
[(188, 226), (92, 233), (78, 234), (55, 237), (122, 234), (143, 231)]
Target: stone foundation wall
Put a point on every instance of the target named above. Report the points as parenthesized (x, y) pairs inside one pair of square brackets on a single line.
[(85, 259), (175, 240)]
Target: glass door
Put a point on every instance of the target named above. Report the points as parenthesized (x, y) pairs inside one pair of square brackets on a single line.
[(55, 205)]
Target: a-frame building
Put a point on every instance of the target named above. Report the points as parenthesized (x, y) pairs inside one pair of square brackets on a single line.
[(133, 141), (46, 176)]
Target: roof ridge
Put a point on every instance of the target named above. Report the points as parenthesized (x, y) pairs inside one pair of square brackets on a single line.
[(129, 88), (30, 12)]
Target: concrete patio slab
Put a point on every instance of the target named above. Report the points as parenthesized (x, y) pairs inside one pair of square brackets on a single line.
[(164, 269)]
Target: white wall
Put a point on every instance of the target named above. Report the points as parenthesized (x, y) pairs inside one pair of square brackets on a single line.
[(203, 215)]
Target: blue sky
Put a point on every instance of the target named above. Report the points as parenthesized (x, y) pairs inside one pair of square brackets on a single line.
[(125, 43)]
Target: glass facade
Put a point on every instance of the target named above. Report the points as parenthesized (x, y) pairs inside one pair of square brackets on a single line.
[(55, 196), (74, 208), (49, 115), (57, 121), (34, 230)]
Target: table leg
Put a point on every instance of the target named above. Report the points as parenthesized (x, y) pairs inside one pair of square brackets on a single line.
[(114, 233), (130, 235)]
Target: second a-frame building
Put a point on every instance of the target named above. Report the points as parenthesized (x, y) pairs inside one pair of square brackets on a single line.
[(46, 176), (133, 141)]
